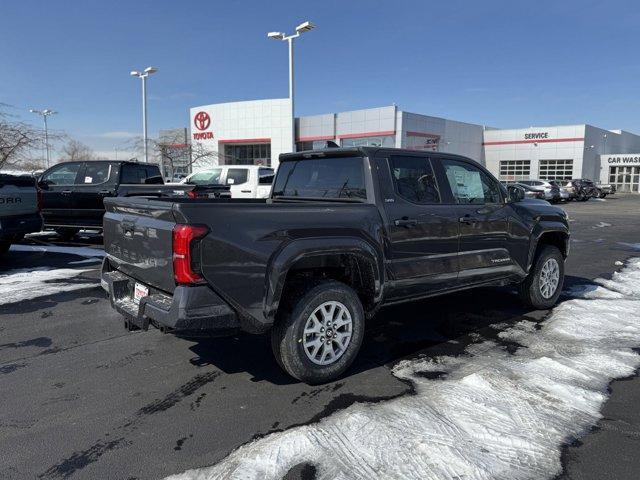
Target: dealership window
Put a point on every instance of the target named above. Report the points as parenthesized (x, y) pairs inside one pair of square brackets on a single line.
[(380, 141), (513, 170), (556, 170), (253, 154), (626, 179)]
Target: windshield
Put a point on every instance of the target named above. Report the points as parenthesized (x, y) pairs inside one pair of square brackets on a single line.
[(208, 177), (321, 178)]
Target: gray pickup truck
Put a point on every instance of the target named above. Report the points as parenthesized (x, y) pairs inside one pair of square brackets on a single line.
[(19, 209), (345, 232)]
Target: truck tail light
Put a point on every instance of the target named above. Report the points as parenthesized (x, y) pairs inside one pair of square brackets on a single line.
[(185, 238), (192, 194)]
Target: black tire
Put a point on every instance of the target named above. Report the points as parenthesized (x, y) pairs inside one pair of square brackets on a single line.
[(530, 291), (4, 247), (66, 233), (288, 332)]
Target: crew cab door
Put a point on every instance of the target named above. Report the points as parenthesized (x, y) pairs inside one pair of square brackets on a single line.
[(239, 182), (483, 217), (422, 228), (56, 185), (96, 180)]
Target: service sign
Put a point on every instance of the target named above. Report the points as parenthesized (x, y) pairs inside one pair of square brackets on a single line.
[(621, 159), (202, 124), (536, 135)]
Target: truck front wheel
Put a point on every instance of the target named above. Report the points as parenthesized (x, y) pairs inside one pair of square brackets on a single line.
[(543, 285), (319, 335)]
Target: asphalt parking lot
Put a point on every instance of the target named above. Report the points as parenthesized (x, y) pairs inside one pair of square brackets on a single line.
[(82, 398)]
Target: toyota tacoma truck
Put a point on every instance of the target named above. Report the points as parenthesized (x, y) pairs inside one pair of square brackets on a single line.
[(344, 232), (73, 192), (19, 209)]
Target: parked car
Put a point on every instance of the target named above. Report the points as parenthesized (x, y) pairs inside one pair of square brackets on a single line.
[(19, 209), (582, 189), (550, 190), (73, 192), (245, 181), (527, 190), (605, 189), (564, 193), (345, 232)]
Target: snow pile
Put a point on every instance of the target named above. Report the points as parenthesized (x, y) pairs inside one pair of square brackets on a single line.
[(27, 284), (490, 414), (82, 251), (602, 225)]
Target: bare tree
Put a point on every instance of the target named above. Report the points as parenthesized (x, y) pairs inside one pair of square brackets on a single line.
[(74, 150), (18, 142), (173, 153)]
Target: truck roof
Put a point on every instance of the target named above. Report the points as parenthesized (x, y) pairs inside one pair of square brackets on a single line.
[(361, 151)]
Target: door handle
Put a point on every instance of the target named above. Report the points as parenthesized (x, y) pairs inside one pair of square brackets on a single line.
[(105, 192), (405, 222), (245, 191), (66, 192), (468, 220)]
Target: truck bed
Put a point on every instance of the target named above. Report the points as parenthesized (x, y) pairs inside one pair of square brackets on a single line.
[(244, 237)]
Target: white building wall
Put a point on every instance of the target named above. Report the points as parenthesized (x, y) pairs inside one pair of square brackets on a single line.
[(244, 122), (535, 144), (606, 142)]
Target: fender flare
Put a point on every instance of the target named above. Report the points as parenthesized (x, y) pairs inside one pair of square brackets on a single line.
[(291, 252), (543, 228)]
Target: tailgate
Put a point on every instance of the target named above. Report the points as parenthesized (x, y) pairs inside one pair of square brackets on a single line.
[(18, 195), (138, 239)]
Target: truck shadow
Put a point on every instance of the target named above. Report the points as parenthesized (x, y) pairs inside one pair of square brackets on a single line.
[(444, 325)]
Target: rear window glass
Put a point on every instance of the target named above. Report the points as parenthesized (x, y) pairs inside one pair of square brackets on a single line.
[(265, 176), (321, 178)]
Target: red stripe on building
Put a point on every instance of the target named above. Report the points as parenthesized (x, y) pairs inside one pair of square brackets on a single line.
[(367, 134), (313, 139), (246, 140), (423, 134), (540, 140)]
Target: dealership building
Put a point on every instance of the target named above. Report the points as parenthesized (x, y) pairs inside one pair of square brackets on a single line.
[(258, 131)]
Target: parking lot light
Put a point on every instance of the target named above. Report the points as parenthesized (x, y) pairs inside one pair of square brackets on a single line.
[(44, 114), (143, 76), (300, 29)]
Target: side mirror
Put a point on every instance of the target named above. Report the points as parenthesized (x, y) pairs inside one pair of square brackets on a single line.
[(516, 193), (43, 185)]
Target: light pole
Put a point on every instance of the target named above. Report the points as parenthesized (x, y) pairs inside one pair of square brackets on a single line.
[(44, 114), (300, 29), (143, 76)]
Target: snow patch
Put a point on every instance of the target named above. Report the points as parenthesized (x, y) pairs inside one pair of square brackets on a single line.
[(602, 225), (635, 246), (596, 199), (27, 284), (81, 251), (491, 415)]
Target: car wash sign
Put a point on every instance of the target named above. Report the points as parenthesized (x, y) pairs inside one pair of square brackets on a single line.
[(202, 126), (621, 159)]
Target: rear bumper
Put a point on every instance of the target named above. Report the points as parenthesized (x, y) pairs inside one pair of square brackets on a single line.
[(191, 309), (15, 226)]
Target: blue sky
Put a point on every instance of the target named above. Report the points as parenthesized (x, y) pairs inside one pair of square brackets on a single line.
[(498, 63)]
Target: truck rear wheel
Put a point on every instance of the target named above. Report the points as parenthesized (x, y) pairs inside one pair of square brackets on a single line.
[(4, 247), (543, 285), (317, 338)]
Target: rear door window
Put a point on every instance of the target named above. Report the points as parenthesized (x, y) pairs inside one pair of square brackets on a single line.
[(414, 179), (238, 175), (95, 173), (130, 174), (64, 174), (318, 178)]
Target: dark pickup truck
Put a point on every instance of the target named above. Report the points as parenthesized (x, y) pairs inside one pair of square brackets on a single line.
[(345, 232), (19, 209), (73, 192)]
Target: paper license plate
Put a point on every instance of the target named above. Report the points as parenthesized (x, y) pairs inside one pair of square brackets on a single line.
[(140, 292)]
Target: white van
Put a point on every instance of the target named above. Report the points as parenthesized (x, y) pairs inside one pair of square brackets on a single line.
[(245, 181)]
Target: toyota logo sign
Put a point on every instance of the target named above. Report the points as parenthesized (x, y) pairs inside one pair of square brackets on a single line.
[(202, 120)]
